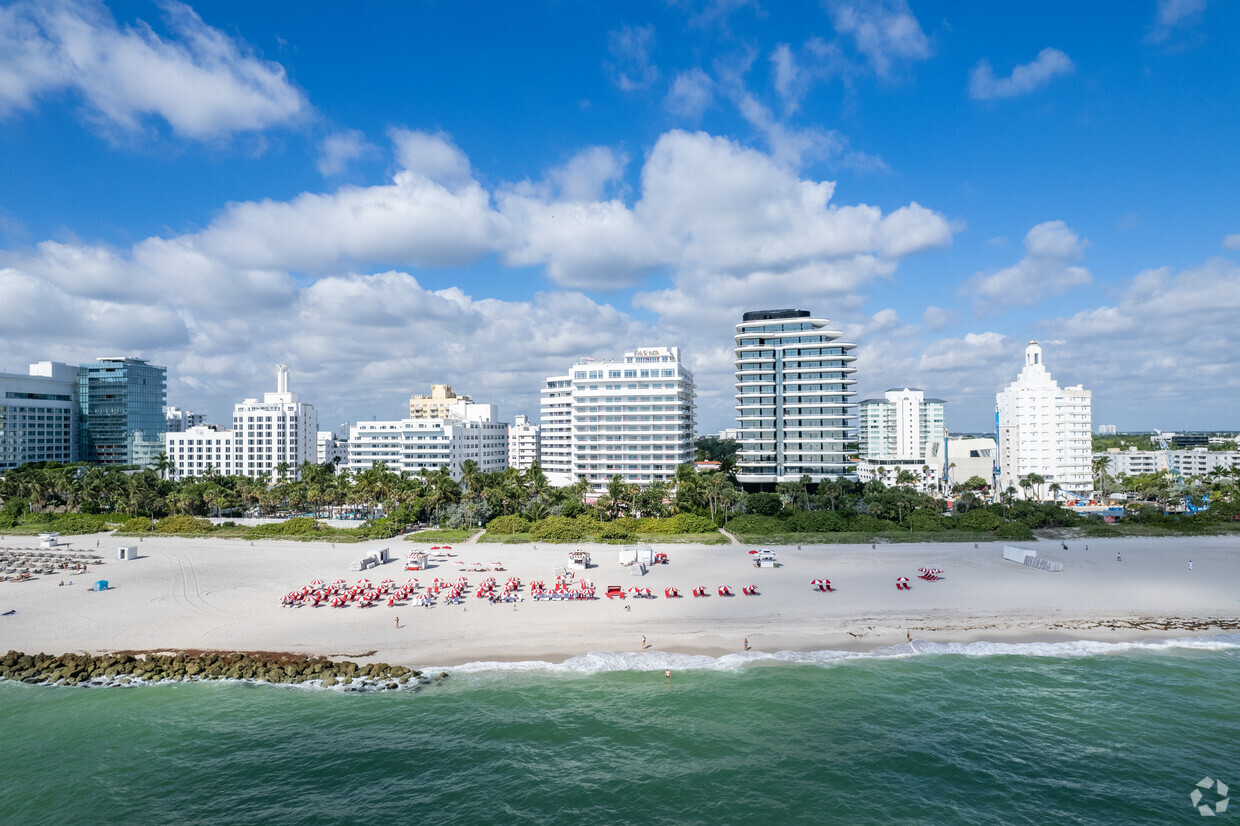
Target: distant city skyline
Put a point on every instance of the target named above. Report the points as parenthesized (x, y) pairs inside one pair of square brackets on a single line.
[(418, 194)]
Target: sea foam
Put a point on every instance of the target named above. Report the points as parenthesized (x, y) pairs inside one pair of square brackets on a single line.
[(598, 662)]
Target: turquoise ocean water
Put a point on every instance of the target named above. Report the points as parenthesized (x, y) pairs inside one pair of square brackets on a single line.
[(1065, 733)]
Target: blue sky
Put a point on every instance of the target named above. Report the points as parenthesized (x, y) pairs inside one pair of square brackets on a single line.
[(416, 192)]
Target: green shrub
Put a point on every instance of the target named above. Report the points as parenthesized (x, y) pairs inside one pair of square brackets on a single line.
[(508, 524), (979, 519), (763, 504), (692, 523), (621, 530), (1014, 530), (138, 524), (588, 524), (924, 520), (79, 523), (375, 529), (752, 523), (680, 523), (183, 524), (557, 529), (297, 526)]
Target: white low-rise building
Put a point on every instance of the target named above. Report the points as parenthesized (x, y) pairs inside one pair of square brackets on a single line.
[(1043, 429), (200, 451), (410, 445), (968, 457), (1193, 462), (523, 443)]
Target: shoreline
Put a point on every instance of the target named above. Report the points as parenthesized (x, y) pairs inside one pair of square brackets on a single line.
[(224, 596)]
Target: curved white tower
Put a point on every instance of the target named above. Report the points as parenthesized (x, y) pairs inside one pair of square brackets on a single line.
[(794, 398)]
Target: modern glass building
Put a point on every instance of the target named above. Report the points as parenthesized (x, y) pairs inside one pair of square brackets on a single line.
[(121, 411), (794, 399)]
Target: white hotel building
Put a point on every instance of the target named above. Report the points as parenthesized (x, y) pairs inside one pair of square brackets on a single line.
[(279, 429), (199, 449), (409, 445), (39, 415), (1043, 429), (794, 399), (632, 417)]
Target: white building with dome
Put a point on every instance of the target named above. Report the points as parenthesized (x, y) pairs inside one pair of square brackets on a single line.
[(1043, 429)]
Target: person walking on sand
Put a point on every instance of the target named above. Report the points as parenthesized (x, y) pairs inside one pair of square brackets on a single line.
[(908, 636), (1190, 564), (643, 642), (1119, 557), (746, 643)]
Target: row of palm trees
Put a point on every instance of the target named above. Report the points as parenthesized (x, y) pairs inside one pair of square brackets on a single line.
[(323, 490)]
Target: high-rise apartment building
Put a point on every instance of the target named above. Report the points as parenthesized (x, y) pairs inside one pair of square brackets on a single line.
[(38, 415), (438, 405), (632, 417), (794, 399), (902, 431), (281, 430), (1043, 429), (121, 411), (523, 443)]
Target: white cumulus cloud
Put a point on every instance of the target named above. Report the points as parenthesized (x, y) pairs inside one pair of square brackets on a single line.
[(1046, 270), (1025, 78), (203, 84), (885, 31)]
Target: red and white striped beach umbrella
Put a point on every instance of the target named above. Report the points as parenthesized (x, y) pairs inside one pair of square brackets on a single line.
[(817, 581), (901, 579), (318, 583)]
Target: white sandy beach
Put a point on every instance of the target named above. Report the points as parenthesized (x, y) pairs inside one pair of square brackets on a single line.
[(220, 594)]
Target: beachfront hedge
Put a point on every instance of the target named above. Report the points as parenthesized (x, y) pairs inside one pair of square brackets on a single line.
[(752, 523), (139, 524), (619, 530), (508, 525), (182, 524), (680, 523), (558, 529), (297, 526), (1015, 530), (978, 519)]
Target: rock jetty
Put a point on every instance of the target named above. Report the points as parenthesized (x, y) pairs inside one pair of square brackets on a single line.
[(128, 669)]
